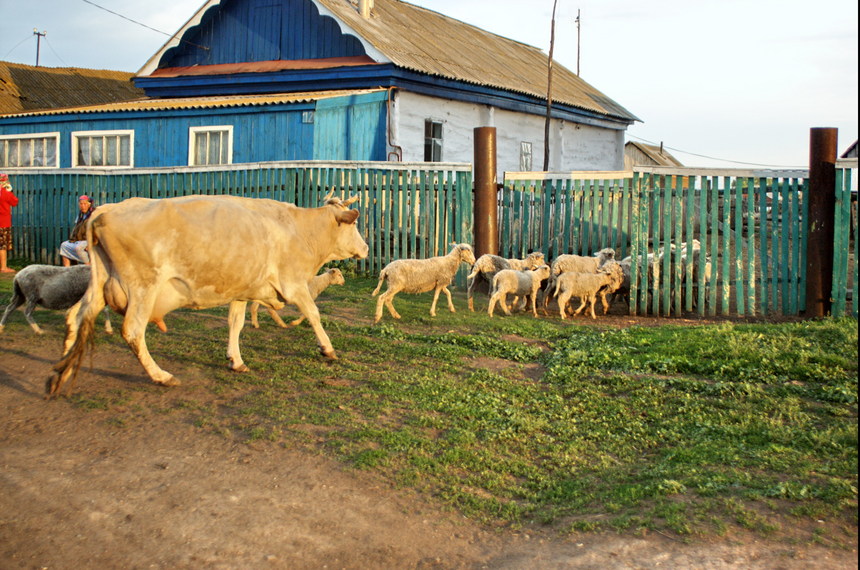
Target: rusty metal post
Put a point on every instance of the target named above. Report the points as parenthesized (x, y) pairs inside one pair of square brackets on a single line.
[(486, 188), (822, 208)]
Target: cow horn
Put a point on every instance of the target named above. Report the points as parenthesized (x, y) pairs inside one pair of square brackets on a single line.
[(352, 200), (329, 196)]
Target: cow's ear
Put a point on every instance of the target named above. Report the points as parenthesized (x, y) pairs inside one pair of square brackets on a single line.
[(346, 216)]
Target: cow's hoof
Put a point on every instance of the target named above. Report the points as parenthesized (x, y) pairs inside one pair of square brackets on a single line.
[(169, 382), (329, 354), (242, 368)]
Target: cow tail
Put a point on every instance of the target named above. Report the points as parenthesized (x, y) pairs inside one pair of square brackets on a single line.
[(80, 323), (382, 276)]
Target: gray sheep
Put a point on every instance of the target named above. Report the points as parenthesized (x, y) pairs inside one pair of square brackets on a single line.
[(522, 284), (49, 286), (568, 263), (587, 286), (486, 267), (316, 286), (421, 276)]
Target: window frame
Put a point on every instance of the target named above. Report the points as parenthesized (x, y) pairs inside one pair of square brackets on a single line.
[(55, 135), (192, 138), (77, 135), (524, 154), (431, 139)]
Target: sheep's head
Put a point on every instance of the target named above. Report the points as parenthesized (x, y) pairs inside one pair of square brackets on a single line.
[(464, 252), (534, 260), (604, 255), (336, 276), (615, 272), (542, 272)]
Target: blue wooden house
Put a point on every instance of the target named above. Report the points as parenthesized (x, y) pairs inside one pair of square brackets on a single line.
[(248, 81)]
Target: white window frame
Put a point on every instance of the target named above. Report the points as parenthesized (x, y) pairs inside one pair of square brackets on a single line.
[(55, 136), (77, 135), (432, 139), (526, 156), (192, 135)]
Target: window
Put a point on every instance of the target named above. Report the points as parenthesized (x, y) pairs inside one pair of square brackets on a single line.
[(210, 145), (525, 156), (30, 151), (103, 148), (432, 141)]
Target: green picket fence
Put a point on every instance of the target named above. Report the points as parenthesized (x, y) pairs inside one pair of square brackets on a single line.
[(407, 210), (748, 226), (845, 240)]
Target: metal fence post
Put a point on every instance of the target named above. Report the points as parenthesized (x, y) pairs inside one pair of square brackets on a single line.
[(486, 201)]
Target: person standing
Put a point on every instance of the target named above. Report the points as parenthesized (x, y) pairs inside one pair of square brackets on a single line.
[(75, 248), (8, 200)]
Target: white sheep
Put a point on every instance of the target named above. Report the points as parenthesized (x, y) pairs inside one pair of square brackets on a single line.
[(522, 284), (587, 286), (49, 286), (486, 267), (421, 276), (567, 263), (316, 286)]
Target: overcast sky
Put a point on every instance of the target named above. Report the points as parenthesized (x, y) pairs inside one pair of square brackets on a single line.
[(737, 82)]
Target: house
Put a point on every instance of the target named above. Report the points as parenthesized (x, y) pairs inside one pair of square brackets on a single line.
[(851, 151), (641, 154), (247, 81)]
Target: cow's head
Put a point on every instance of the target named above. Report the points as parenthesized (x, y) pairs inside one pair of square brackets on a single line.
[(347, 243)]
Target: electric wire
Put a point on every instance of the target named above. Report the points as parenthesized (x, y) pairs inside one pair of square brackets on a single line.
[(713, 157), (16, 46), (142, 24)]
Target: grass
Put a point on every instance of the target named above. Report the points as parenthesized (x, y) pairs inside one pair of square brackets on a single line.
[(516, 421)]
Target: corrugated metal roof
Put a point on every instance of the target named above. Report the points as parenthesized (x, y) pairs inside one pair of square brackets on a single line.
[(428, 42), (425, 41), (201, 102), (657, 154), (26, 88)]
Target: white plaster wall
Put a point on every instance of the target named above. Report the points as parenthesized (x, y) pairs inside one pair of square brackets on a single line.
[(572, 146)]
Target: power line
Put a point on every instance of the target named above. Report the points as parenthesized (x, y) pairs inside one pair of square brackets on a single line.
[(713, 157), (16, 46), (55, 52), (142, 24)]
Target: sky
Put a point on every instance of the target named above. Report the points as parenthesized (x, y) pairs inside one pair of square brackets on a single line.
[(720, 83)]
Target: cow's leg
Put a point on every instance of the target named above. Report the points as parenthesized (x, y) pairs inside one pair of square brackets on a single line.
[(255, 306), (134, 332), (108, 326), (236, 320), (308, 308)]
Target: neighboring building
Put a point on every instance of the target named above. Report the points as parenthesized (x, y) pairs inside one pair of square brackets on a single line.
[(851, 151), (265, 80), (641, 154)]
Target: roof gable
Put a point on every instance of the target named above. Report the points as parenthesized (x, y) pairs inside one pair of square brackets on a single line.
[(410, 37), (25, 88)]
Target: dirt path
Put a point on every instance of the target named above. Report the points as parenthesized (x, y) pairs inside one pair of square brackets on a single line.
[(79, 489)]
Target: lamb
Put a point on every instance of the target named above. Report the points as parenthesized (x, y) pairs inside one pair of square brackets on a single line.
[(50, 286), (420, 276), (316, 286), (522, 284), (486, 267), (587, 286), (577, 264)]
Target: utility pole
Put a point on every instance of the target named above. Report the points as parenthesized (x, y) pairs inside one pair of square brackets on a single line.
[(578, 20), (549, 91), (39, 35)]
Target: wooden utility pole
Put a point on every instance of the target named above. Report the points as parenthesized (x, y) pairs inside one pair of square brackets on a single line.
[(822, 208), (549, 91), (578, 22), (39, 35)]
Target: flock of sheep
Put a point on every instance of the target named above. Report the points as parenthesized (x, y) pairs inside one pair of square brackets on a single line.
[(522, 283)]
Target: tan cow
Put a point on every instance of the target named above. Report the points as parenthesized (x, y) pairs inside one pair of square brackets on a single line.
[(150, 257)]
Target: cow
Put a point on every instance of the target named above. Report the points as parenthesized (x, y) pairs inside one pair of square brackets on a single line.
[(151, 256)]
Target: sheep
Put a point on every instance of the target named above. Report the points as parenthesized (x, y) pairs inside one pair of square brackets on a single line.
[(486, 267), (316, 286), (524, 284), (50, 286), (420, 276), (587, 286), (575, 263)]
